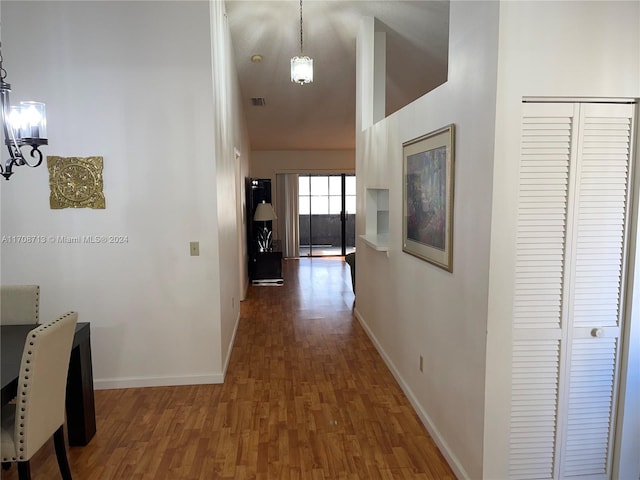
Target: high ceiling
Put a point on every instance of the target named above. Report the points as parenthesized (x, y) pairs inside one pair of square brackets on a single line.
[(321, 115)]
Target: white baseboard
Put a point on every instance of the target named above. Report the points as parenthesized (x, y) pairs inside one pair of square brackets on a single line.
[(137, 382), (449, 456), (230, 347)]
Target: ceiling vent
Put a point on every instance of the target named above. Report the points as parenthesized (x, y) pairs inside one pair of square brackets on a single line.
[(258, 101)]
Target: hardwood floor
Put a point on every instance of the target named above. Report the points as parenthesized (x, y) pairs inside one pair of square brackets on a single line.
[(306, 396)]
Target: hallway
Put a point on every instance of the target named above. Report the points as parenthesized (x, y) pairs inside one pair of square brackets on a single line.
[(336, 411), (306, 396)]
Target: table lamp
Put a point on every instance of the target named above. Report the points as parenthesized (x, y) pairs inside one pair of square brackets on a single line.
[(264, 213)]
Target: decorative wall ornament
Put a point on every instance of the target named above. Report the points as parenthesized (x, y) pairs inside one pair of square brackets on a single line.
[(76, 182)]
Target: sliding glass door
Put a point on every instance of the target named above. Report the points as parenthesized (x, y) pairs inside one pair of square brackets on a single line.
[(326, 214)]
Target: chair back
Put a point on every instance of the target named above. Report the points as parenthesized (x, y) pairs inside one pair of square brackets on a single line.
[(19, 304), (40, 407)]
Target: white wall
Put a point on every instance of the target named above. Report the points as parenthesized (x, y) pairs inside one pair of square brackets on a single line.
[(268, 163), (122, 80), (547, 49), (412, 308), (231, 138)]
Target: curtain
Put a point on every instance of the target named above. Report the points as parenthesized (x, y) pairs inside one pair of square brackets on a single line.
[(287, 211)]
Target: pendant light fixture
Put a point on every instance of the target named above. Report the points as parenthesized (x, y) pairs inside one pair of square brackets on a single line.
[(302, 66), (24, 125)]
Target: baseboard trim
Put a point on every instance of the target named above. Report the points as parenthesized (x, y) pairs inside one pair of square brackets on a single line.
[(230, 347), (444, 448), (139, 382), (268, 282)]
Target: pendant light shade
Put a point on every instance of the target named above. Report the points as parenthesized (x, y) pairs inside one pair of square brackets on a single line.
[(302, 65), (302, 70)]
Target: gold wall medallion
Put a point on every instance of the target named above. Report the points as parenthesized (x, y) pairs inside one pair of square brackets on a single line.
[(76, 182)]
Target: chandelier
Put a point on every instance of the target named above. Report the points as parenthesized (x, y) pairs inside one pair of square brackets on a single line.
[(23, 125), (302, 66)]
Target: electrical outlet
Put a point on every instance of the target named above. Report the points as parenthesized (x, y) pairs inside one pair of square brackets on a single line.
[(194, 248), (421, 363)]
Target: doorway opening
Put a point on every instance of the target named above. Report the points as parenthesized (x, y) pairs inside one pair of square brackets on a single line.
[(327, 214)]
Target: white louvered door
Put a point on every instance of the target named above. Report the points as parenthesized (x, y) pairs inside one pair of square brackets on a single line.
[(572, 209), (538, 342)]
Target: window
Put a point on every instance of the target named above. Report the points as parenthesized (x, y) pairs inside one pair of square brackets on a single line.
[(323, 230)]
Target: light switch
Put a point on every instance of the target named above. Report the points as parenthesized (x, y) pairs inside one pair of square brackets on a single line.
[(194, 247)]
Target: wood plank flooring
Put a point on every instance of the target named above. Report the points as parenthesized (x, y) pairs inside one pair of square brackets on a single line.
[(306, 396)]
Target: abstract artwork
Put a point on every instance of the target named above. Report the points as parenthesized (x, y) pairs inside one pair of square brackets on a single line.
[(428, 197)]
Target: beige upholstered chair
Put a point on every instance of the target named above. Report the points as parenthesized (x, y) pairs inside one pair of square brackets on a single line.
[(19, 304), (40, 407)]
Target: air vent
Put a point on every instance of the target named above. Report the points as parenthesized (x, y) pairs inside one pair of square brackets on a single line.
[(258, 101)]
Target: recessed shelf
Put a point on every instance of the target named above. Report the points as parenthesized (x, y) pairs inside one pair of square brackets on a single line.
[(377, 219), (379, 243)]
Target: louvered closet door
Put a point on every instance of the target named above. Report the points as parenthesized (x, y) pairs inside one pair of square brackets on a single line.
[(596, 289), (538, 343), (573, 184)]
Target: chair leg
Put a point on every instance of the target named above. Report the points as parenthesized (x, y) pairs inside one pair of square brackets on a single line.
[(61, 453), (24, 470)]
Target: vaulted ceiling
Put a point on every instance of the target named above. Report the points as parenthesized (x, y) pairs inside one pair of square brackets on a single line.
[(321, 115)]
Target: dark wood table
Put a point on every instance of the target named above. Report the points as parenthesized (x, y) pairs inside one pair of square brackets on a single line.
[(81, 413)]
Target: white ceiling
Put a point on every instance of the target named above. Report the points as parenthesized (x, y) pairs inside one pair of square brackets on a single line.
[(321, 115)]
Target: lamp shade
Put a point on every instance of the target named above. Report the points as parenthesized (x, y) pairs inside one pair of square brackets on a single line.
[(264, 213), (33, 120)]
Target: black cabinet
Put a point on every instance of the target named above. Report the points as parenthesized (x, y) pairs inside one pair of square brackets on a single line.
[(267, 267), (264, 267)]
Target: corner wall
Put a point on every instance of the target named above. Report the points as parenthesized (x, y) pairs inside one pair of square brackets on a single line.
[(411, 308), (232, 151)]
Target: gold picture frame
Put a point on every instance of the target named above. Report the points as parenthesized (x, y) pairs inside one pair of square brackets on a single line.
[(76, 182), (428, 171)]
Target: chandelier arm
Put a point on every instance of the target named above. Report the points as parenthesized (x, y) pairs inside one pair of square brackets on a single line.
[(12, 144), (7, 171), (35, 153)]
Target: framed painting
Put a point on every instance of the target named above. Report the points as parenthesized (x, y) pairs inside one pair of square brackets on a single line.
[(428, 167)]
